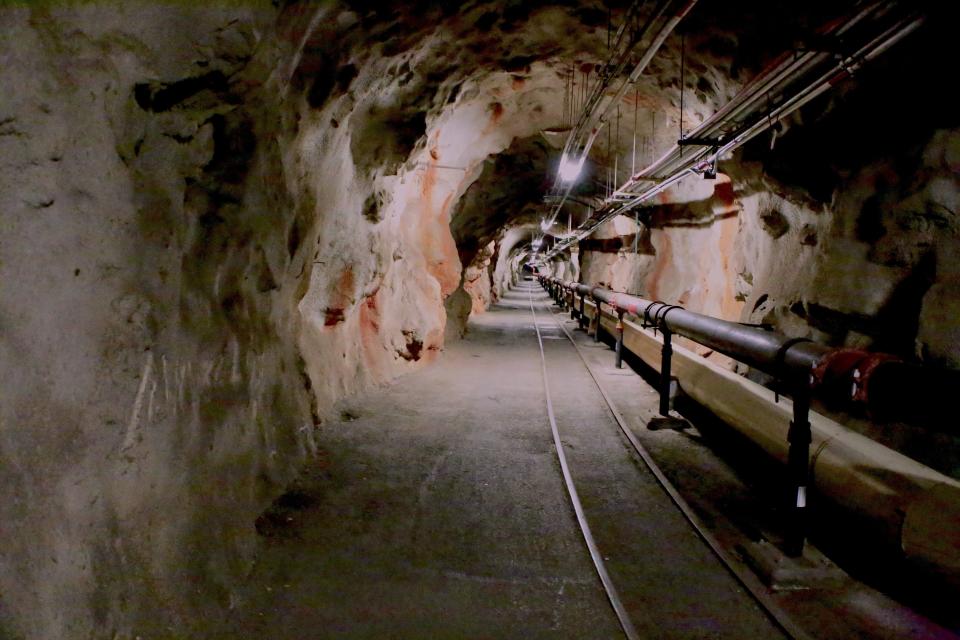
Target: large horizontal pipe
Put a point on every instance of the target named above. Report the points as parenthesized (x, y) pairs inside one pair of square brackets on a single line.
[(912, 507), (836, 374), (768, 351)]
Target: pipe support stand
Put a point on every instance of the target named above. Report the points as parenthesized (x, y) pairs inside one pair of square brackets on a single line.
[(798, 460), (666, 357), (618, 358)]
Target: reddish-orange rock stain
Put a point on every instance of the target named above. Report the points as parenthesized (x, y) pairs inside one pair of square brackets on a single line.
[(496, 115), (726, 203), (370, 325), (661, 262), (723, 191), (341, 297), (434, 230), (729, 305)]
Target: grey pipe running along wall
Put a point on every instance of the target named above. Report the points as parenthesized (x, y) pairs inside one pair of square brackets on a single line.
[(849, 376), (910, 506)]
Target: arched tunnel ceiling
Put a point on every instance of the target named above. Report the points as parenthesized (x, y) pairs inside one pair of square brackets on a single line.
[(222, 219), (509, 190), (462, 125), (724, 47)]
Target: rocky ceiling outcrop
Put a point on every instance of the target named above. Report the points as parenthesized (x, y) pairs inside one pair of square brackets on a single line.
[(220, 220)]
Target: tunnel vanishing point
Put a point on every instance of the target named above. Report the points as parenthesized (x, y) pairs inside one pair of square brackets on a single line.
[(493, 319)]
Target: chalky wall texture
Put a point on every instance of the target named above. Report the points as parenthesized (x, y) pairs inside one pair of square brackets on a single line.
[(217, 221)]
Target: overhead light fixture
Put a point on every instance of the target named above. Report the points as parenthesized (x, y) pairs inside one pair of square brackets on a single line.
[(570, 169)]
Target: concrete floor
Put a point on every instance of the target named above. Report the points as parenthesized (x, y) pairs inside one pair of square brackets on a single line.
[(437, 509)]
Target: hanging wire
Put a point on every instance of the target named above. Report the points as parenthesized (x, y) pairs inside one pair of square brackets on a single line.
[(573, 82), (583, 77), (616, 154), (636, 108), (609, 164), (682, 81), (586, 85), (653, 133)]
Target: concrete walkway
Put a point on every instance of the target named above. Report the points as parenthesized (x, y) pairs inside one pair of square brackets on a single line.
[(439, 511)]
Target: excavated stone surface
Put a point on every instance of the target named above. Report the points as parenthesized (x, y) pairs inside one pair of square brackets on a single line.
[(152, 390), (217, 221)]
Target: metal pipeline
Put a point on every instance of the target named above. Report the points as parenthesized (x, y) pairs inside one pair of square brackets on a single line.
[(875, 381), (837, 374), (913, 508)]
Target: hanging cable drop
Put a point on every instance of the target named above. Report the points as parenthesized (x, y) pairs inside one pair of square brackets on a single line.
[(682, 83), (621, 70), (636, 108)]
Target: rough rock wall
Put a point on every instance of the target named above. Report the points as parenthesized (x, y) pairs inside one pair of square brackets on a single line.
[(216, 223), (873, 268), (477, 280), (219, 221), (430, 96), (508, 255), (152, 391), (845, 230)]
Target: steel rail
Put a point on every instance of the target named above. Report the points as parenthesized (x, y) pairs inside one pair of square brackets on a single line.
[(743, 575), (609, 588), (914, 505)]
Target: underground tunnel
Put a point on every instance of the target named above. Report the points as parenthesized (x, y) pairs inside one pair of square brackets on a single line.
[(493, 319)]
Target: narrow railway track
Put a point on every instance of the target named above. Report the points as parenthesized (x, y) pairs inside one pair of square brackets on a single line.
[(743, 576)]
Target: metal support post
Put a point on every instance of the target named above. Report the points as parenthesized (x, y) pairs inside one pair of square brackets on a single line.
[(618, 359), (666, 355), (573, 304), (582, 320), (798, 461), (596, 319)]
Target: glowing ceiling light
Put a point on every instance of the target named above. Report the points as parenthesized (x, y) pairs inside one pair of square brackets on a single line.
[(570, 169)]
